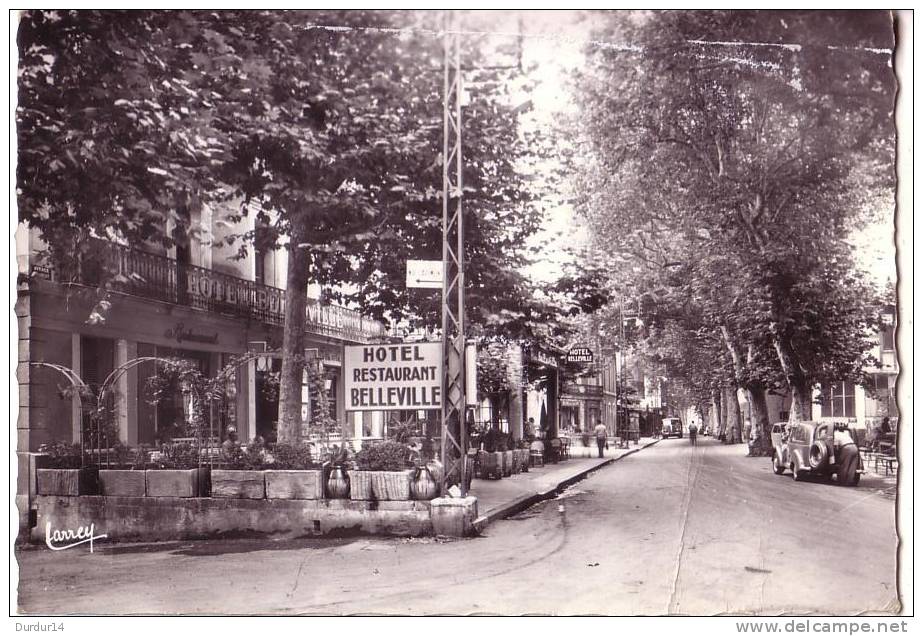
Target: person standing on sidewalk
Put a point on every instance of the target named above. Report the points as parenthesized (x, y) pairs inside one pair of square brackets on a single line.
[(693, 431), (601, 435)]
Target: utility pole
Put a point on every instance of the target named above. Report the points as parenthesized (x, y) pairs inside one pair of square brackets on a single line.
[(454, 435)]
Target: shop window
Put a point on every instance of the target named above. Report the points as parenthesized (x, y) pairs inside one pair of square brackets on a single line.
[(97, 361), (367, 424), (838, 400), (880, 401), (887, 338), (147, 412), (173, 412)]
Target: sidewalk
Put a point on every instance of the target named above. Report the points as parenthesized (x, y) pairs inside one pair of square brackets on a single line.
[(500, 498)]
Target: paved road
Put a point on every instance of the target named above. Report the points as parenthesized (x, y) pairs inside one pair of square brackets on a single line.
[(672, 529)]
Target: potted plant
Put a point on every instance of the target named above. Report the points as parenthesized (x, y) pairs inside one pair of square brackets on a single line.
[(339, 484), (383, 467), (177, 473), (242, 475), (127, 478), (293, 473), (64, 475)]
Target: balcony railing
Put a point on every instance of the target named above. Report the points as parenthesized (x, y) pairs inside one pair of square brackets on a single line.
[(157, 277)]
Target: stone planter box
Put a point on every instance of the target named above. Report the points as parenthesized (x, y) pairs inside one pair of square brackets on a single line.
[(391, 485), (360, 485), (524, 459), (507, 463), (122, 483), (67, 482), (238, 484), (490, 465), (517, 461), (454, 517), (294, 484), (191, 518), (177, 483)]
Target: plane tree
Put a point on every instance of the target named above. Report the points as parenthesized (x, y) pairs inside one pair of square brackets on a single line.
[(750, 144), (326, 126)]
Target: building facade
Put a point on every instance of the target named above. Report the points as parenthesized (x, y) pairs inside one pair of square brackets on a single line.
[(196, 301), (865, 407)]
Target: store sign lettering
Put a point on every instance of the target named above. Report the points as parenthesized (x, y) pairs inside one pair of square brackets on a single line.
[(341, 320), (181, 334), (393, 377)]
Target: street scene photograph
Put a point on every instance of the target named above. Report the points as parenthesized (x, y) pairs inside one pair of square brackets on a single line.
[(462, 312)]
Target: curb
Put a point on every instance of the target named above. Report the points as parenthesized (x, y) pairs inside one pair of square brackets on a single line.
[(525, 501)]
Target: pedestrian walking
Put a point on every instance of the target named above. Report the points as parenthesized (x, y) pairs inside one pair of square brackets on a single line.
[(601, 436), (693, 431)]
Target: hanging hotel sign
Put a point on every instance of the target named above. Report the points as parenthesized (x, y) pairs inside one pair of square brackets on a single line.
[(580, 354), (393, 377)]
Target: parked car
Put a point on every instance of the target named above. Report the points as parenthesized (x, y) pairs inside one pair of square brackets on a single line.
[(672, 426), (821, 448)]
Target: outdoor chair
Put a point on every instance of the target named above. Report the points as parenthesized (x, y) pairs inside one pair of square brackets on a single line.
[(888, 458), (537, 453)]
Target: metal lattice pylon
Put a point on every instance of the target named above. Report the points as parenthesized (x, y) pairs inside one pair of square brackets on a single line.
[(454, 435)]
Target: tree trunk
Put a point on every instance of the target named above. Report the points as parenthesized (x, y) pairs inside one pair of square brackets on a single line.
[(802, 400), (290, 379), (798, 383), (731, 415), (719, 416), (761, 445)]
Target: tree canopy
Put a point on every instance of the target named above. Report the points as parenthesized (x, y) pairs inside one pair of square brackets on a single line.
[(728, 157)]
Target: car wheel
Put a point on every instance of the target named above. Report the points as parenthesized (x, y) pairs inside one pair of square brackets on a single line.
[(796, 475), (817, 456), (777, 466)]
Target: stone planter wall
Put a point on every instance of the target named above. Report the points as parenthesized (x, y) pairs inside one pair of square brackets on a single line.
[(391, 485), (238, 484), (360, 485), (183, 518), (67, 482), (177, 483), (122, 483), (294, 484)]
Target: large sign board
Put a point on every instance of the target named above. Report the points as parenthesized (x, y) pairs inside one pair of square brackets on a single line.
[(393, 377)]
